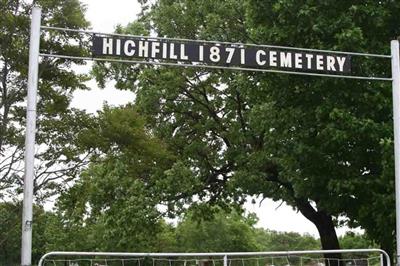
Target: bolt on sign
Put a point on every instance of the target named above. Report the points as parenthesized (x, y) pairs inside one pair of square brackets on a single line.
[(221, 54)]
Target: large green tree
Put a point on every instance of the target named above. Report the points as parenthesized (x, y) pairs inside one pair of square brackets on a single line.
[(226, 231), (269, 240), (58, 153), (115, 201), (322, 145)]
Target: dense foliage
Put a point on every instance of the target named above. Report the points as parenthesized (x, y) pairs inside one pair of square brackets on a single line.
[(119, 193), (58, 153), (322, 145), (227, 231)]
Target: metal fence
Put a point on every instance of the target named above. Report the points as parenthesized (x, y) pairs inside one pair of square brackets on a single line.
[(349, 257)]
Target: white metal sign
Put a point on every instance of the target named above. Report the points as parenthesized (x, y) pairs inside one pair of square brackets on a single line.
[(220, 54)]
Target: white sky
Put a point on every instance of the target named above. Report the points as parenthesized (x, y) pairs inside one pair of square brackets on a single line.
[(104, 16)]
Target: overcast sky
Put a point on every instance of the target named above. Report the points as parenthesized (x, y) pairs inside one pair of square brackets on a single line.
[(104, 16)]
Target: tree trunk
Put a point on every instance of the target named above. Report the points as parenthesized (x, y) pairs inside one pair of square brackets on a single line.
[(321, 219), (326, 229)]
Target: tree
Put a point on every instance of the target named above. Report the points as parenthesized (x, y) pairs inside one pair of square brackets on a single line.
[(224, 232), (59, 155), (356, 241), (322, 145), (10, 232), (340, 134), (115, 201), (280, 241)]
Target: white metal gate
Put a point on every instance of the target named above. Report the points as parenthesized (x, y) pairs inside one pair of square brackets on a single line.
[(349, 257)]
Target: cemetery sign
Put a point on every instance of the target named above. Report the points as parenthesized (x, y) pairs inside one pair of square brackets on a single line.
[(221, 54)]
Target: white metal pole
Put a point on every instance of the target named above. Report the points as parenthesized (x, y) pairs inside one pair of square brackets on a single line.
[(394, 46), (226, 260), (26, 242)]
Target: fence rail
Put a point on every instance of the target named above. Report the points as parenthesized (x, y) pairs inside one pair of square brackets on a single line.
[(225, 256)]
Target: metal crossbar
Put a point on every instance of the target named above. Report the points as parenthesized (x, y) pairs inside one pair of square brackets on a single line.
[(211, 67), (213, 42)]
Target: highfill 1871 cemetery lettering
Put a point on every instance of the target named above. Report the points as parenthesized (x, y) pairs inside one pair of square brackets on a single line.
[(221, 54)]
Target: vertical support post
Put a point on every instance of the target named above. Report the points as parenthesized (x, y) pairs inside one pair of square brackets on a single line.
[(226, 260), (26, 241), (394, 46)]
